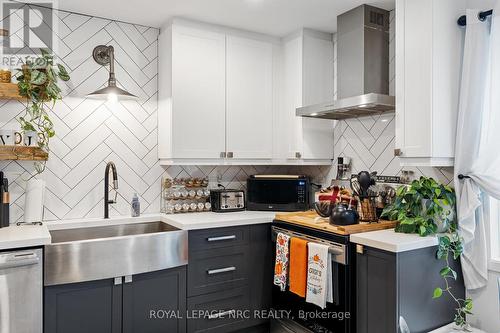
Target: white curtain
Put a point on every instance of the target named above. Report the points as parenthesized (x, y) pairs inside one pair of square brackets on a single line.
[(477, 151)]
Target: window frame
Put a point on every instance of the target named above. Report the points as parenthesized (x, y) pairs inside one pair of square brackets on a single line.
[(494, 239)]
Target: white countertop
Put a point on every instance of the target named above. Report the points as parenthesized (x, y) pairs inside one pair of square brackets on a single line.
[(450, 328), (23, 236), (193, 221), (28, 236), (392, 241)]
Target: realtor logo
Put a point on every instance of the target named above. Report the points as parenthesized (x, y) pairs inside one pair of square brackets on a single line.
[(27, 27)]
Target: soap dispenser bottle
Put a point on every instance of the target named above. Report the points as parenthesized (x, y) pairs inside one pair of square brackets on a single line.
[(135, 206)]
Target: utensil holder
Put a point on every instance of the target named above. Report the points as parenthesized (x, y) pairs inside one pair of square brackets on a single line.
[(367, 208)]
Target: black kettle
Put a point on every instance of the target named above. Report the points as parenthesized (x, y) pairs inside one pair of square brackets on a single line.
[(339, 214)]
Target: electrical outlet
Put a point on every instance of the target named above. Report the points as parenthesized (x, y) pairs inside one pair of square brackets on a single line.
[(214, 179)]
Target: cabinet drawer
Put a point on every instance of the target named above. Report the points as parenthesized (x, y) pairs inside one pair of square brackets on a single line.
[(218, 312), (217, 238), (217, 269)]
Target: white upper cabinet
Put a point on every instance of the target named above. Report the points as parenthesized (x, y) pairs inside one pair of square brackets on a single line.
[(428, 61), (198, 90), (308, 79), (215, 96), (249, 101), (228, 96)]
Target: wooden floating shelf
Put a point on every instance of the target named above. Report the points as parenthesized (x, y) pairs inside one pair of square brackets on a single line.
[(23, 153), (10, 91)]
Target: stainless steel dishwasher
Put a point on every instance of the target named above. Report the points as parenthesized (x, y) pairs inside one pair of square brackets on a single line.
[(21, 291)]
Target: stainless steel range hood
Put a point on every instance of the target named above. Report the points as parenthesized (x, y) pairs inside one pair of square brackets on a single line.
[(362, 67)]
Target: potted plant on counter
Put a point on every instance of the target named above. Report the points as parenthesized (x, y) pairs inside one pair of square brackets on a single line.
[(37, 82), (426, 207)]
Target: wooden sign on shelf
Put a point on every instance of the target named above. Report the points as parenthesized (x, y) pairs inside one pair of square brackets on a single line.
[(10, 91), (23, 153)]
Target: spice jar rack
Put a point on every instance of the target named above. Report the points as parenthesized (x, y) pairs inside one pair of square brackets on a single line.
[(185, 195)]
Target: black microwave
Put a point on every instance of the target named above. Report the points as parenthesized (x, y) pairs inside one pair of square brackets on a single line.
[(286, 193)]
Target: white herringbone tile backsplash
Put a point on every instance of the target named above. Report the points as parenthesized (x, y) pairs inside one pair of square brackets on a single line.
[(93, 132)]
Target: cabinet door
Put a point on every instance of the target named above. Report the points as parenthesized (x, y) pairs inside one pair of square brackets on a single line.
[(261, 274), (198, 93), (94, 306), (428, 62), (308, 67), (414, 77), (155, 302), (317, 87), (249, 88), (292, 67), (376, 292)]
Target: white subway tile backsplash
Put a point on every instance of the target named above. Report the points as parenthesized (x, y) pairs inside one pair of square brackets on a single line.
[(124, 152), (85, 31), (77, 56), (93, 159), (73, 21), (81, 152), (91, 133), (133, 34)]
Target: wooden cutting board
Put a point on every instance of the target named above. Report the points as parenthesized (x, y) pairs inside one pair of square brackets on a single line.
[(312, 220)]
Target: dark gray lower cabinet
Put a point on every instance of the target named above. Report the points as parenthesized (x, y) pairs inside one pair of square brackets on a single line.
[(93, 306), (139, 306), (147, 299), (230, 277), (393, 285)]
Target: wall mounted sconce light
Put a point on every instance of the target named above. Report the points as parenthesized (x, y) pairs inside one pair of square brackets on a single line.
[(104, 55)]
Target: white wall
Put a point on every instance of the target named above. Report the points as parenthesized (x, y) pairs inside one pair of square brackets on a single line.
[(481, 4), (486, 306)]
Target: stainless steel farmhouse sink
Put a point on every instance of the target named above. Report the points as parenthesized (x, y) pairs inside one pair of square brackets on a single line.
[(108, 251)]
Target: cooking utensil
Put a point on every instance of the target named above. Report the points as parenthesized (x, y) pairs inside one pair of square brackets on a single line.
[(355, 186), (365, 180), (323, 208), (391, 194)]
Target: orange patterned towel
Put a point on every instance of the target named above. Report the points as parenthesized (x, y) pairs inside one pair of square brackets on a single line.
[(298, 266), (281, 263)]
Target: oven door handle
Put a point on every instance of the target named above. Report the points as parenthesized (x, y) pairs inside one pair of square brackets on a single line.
[(337, 250)]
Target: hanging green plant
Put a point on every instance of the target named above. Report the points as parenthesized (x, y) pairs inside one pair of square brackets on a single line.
[(450, 245), (37, 81), (426, 207)]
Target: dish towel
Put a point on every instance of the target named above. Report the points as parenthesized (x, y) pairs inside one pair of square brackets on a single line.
[(319, 275), (281, 263), (298, 266)]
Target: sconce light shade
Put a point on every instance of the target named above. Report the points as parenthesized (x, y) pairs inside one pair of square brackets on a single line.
[(104, 55), (110, 92)]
